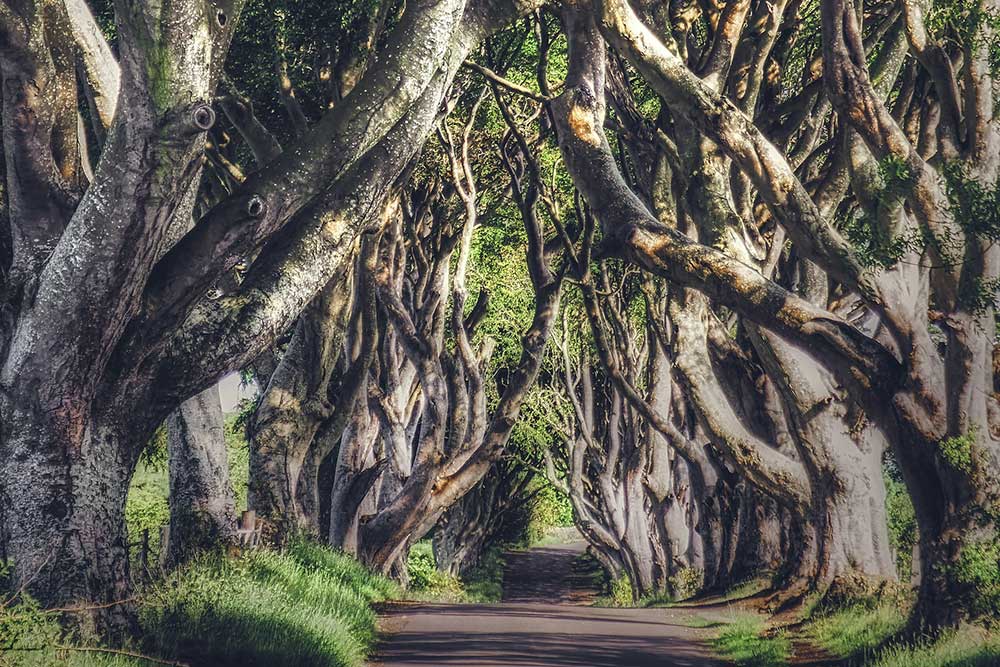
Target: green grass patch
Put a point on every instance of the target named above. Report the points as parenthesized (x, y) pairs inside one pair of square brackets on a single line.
[(701, 623), (305, 607), (856, 630), (744, 642), (863, 634), (968, 647)]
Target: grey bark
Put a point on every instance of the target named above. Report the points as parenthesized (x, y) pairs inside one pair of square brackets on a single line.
[(202, 506)]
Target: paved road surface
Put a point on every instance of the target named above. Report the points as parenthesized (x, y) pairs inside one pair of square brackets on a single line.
[(544, 621)]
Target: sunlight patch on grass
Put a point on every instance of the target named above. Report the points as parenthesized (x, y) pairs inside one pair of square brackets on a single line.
[(968, 647), (743, 641), (306, 606), (856, 630)]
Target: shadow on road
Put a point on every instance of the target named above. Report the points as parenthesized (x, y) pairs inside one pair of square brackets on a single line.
[(545, 621)]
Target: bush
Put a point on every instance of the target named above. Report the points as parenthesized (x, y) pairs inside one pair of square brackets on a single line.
[(620, 593), (483, 584), (426, 579), (978, 570), (686, 582)]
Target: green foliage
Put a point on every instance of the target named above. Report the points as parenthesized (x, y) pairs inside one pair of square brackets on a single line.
[(686, 582), (875, 246), (154, 455), (969, 647), (957, 451), (550, 508), (856, 630), (902, 526), (483, 584), (863, 633), (146, 507), (239, 458), (974, 204), (976, 208), (425, 578), (973, 25), (620, 593), (978, 571), (307, 606), (744, 642), (30, 637)]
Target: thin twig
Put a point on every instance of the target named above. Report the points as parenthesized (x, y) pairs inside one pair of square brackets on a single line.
[(105, 605), (506, 83)]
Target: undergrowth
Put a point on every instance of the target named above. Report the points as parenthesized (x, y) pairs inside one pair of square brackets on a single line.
[(858, 634), (863, 633), (306, 606), (745, 642), (484, 583)]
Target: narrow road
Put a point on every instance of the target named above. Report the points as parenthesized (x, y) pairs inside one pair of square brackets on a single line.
[(544, 621)]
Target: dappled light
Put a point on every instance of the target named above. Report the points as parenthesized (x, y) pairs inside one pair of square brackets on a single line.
[(568, 332)]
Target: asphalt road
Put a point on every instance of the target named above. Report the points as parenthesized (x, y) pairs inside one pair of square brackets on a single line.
[(545, 620)]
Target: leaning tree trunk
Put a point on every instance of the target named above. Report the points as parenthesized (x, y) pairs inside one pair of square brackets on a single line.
[(202, 507), (294, 406)]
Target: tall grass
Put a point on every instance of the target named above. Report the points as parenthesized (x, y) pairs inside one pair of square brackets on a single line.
[(855, 631), (744, 642), (308, 606), (863, 634), (305, 607), (969, 647)]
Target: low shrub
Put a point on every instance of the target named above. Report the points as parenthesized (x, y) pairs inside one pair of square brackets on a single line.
[(483, 584), (686, 582)]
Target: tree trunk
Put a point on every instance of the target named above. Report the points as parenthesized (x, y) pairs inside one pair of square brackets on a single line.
[(294, 405), (65, 484), (202, 507)]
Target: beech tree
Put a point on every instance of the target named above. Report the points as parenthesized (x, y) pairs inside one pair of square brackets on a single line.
[(896, 356), (117, 307), (779, 217)]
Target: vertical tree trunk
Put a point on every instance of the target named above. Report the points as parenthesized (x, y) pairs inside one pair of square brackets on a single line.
[(202, 507), (65, 484)]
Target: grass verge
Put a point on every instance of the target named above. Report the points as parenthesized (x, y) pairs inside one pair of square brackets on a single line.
[(744, 642), (306, 606), (862, 633)]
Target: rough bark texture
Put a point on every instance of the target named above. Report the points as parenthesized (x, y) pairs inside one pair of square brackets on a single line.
[(112, 312), (202, 507)]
